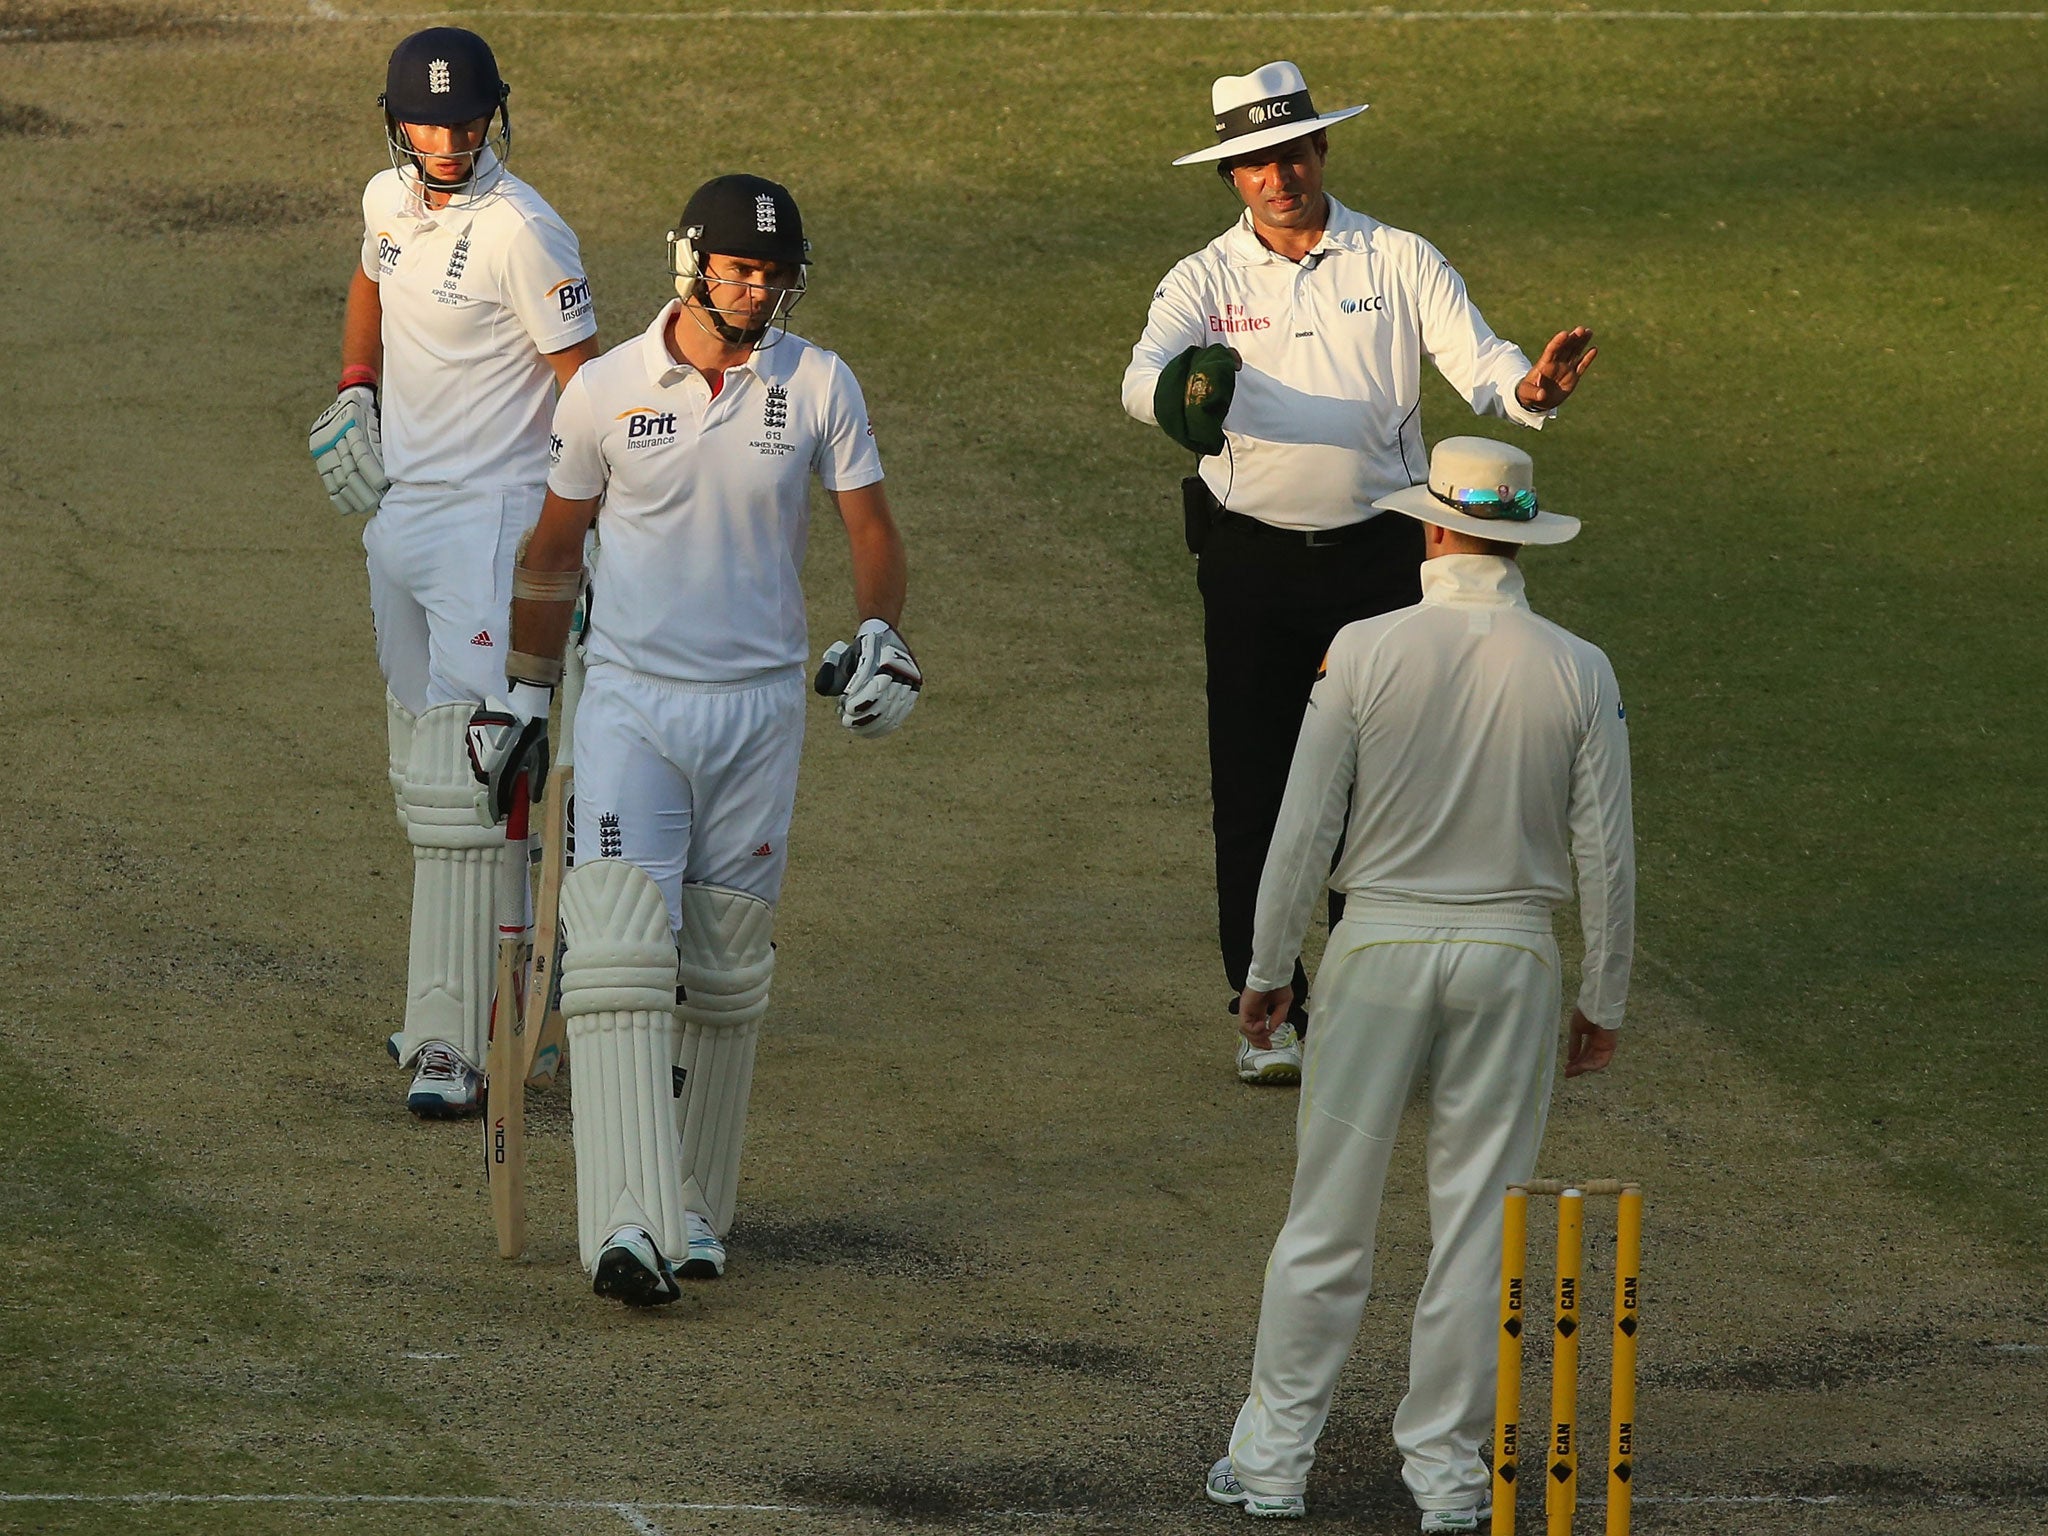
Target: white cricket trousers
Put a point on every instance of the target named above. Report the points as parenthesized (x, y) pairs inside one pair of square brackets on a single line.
[(441, 589), (693, 782), (1402, 991)]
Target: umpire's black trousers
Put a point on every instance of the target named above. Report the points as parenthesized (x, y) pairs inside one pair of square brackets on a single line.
[(1272, 601)]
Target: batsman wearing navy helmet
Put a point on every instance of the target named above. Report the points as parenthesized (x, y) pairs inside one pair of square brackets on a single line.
[(692, 448), (468, 308)]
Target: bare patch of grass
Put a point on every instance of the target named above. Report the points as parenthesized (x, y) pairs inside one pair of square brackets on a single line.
[(22, 120), (231, 208), (93, 23)]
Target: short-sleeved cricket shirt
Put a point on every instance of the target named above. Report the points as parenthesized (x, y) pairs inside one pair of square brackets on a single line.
[(473, 295), (707, 498)]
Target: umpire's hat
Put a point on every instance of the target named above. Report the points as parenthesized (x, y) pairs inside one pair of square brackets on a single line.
[(1269, 106), (443, 76)]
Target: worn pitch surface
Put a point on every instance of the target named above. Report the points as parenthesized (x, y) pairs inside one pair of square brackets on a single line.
[(1005, 1210)]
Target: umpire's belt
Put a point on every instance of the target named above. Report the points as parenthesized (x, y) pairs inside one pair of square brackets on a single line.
[(1300, 538)]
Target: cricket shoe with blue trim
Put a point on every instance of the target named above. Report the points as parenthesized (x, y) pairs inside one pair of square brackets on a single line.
[(704, 1259), (1456, 1522), (632, 1270), (1224, 1488), (444, 1086)]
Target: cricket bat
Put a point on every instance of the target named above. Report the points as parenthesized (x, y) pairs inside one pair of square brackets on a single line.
[(505, 1108), (547, 1033), (505, 1058)]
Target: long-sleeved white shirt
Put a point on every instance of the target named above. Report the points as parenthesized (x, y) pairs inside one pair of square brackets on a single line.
[(1326, 415), (1480, 750)]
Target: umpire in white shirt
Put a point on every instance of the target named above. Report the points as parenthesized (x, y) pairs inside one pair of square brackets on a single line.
[(1467, 752), (1288, 353)]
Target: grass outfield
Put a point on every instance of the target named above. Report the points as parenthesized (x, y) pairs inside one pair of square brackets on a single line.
[(1808, 460)]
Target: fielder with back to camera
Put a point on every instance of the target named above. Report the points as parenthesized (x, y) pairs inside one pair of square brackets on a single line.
[(1288, 353), (692, 447), (1465, 753), (469, 307)]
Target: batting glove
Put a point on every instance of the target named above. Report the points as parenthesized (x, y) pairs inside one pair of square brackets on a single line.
[(504, 742), (883, 681), (347, 444)]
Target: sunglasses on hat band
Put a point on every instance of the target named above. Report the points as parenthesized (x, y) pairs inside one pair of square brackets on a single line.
[(1496, 502)]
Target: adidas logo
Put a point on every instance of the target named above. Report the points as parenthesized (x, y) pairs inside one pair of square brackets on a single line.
[(482, 637), (764, 851)]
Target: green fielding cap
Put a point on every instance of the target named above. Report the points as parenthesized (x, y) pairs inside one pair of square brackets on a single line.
[(1193, 396)]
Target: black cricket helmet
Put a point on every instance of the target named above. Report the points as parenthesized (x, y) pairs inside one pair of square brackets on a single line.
[(749, 217)]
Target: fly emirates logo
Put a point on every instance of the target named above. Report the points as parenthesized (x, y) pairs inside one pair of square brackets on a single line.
[(1236, 319)]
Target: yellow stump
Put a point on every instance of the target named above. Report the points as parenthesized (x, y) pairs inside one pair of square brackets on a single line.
[(1562, 1453), (1621, 1434), (1507, 1417)]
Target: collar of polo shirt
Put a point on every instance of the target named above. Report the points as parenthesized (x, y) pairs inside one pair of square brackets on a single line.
[(662, 367), (1344, 229)]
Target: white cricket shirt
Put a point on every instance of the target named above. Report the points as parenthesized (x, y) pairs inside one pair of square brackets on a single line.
[(707, 501), (472, 297), (1326, 415), (1479, 750)]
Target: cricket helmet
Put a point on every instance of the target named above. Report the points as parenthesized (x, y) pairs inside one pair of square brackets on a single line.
[(445, 77), (745, 216)]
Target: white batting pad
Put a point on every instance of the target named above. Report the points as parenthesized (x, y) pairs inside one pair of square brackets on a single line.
[(398, 729), (455, 878), (618, 996), (726, 964)]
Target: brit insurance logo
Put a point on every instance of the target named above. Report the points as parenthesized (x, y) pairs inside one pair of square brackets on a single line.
[(648, 428), (572, 297), (1376, 305), (388, 251)]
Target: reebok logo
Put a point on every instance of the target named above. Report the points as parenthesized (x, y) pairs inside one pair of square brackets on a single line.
[(764, 851), (437, 77), (483, 638)]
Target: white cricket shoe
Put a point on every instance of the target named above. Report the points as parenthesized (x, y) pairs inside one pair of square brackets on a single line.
[(1278, 1066), (444, 1086), (705, 1257), (1464, 1522), (1224, 1488), (631, 1269)]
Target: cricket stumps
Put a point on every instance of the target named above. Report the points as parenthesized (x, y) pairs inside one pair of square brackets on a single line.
[(1561, 1445)]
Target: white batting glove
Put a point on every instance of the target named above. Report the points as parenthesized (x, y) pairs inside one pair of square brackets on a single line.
[(347, 444), (884, 684)]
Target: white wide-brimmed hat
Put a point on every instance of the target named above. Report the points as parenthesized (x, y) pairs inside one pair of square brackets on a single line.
[(1266, 107), (1483, 488)]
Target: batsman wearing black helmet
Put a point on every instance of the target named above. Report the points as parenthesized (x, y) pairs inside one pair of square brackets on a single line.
[(468, 309), (693, 447)]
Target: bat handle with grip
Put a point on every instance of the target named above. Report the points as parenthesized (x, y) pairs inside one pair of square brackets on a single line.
[(835, 669)]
